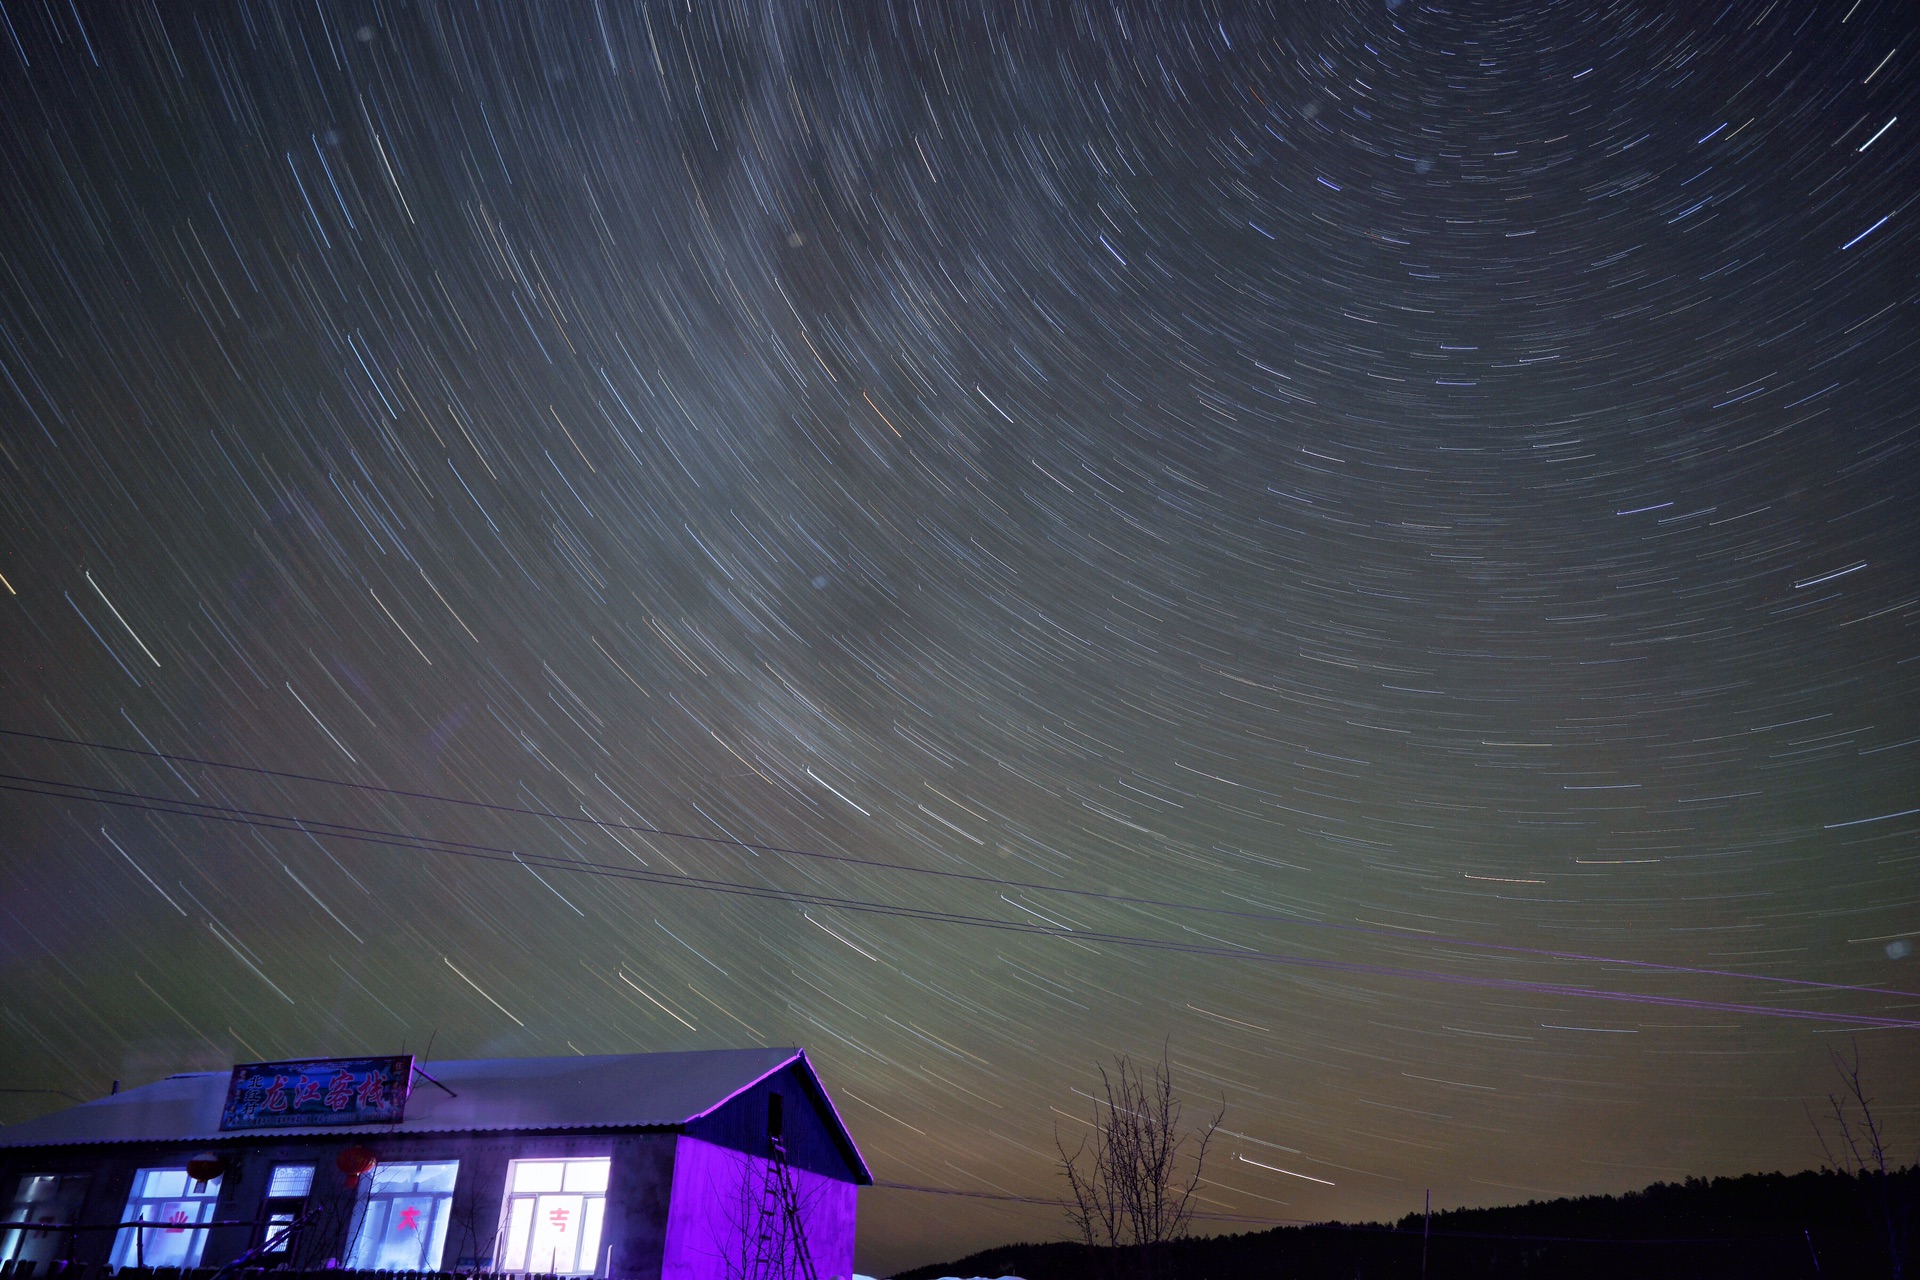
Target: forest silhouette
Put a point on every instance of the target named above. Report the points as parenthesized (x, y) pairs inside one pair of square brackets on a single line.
[(1768, 1226)]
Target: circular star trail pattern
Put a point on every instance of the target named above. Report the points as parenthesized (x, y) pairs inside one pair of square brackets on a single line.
[(1407, 495)]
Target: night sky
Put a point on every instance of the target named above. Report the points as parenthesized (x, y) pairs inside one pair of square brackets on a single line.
[(1373, 545)]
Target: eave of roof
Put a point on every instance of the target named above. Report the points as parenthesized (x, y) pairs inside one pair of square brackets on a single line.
[(843, 1136), (633, 1093)]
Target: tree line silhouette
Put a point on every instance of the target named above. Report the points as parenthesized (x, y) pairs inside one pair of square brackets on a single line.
[(1131, 1181), (1768, 1226)]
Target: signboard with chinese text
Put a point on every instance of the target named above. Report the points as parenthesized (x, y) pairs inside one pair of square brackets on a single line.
[(319, 1091)]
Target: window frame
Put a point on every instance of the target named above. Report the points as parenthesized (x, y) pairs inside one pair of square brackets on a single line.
[(132, 1245), (363, 1254), (20, 1231), (281, 1211), (593, 1216)]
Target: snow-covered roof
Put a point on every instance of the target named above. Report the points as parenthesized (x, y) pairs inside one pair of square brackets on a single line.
[(626, 1091)]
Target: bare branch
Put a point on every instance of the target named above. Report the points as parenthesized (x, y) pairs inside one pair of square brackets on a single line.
[(1860, 1151), (1129, 1198)]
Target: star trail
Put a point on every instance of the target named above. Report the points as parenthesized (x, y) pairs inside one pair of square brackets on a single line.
[(1369, 545)]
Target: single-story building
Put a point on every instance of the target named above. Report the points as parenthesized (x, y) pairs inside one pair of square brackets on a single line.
[(718, 1165)]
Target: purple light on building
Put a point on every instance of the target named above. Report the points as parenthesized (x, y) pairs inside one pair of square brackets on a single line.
[(718, 1165)]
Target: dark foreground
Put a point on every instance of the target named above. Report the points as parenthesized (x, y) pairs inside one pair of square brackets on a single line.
[(1805, 1226)]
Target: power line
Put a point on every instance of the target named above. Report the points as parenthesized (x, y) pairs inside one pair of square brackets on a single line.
[(959, 876), (206, 811)]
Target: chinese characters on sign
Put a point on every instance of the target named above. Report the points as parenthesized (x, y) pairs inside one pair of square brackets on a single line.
[(322, 1091)]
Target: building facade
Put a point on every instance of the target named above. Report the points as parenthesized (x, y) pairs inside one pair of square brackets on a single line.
[(720, 1165)]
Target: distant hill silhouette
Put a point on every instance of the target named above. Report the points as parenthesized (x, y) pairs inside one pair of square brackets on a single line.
[(1767, 1226)]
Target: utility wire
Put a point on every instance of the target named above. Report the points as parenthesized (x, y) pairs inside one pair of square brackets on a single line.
[(962, 876), (206, 811)]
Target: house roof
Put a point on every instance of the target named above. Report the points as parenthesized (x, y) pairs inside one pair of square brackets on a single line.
[(625, 1091)]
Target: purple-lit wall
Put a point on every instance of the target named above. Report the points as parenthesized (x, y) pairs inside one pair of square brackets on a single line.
[(674, 1199), (708, 1219)]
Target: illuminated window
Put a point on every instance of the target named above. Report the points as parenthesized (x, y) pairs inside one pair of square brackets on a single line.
[(401, 1221), (286, 1200), (552, 1215), (290, 1181), (175, 1204), (38, 1199)]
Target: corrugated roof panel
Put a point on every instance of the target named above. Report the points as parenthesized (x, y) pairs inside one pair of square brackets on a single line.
[(616, 1091)]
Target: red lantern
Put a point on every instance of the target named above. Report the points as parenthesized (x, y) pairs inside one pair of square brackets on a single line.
[(206, 1166), (355, 1162)]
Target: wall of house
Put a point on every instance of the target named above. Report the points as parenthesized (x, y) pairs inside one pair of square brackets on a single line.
[(632, 1241), (726, 1221), (638, 1196), (810, 1133), (675, 1205), (97, 1181)]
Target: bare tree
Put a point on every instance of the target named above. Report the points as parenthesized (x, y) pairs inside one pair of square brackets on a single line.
[(469, 1233), (1129, 1198), (320, 1238), (1854, 1141), (768, 1214)]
